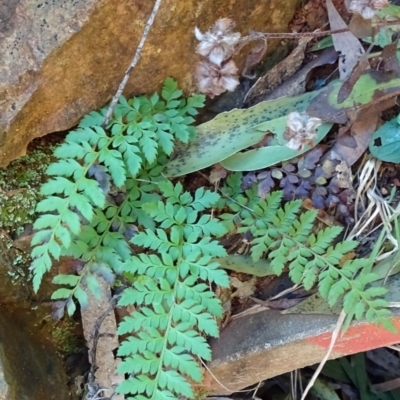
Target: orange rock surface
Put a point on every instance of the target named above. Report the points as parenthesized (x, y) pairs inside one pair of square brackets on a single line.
[(61, 59)]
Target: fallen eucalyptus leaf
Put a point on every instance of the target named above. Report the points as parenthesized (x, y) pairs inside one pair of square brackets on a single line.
[(361, 132), (296, 84), (346, 44), (389, 56)]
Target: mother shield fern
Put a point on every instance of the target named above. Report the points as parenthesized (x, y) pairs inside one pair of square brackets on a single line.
[(284, 234), (106, 186)]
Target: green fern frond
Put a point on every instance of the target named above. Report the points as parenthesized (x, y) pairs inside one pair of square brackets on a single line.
[(93, 161), (173, 307), (285, 236)]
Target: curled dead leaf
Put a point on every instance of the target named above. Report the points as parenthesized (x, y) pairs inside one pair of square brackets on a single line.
[(213, 79), (219, 43), (217, 173), (301, 130), (254, 57), (367, 8)]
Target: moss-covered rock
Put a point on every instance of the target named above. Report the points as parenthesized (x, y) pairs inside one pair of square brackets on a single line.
[(19, 189)]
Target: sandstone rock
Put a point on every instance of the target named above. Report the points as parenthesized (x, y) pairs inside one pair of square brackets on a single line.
[(30, 369), (62, 59), (3, 384), (260, 346)]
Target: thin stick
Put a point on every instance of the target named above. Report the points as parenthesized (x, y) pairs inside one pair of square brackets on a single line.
[(255, 392), (135, 60), (335, 335), (296, 35)]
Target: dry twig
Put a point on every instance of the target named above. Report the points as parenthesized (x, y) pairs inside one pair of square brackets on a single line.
[(132, 65), (335, 335)]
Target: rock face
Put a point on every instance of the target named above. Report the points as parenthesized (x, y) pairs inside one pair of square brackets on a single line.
[(61, 59), (3, 384), (29, 370)]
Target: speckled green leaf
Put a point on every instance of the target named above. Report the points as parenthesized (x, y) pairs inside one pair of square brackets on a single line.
[(264, 157), (385, 142), (233, 131), (370, 89)]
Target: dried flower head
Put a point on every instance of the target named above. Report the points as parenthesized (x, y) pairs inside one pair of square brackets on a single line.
[(214, 80), (367, 8), (301, 130), (219, 43)]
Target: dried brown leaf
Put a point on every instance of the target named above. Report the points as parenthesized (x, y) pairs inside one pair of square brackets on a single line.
[(296, 84), (347, 257), (361, 132), (347, 140), (348, 46), (390, 60), (217, 173), (322, 215), (107, 340), (243, 289), (278, 74), (254, 57), (344, 176), (360, 27)]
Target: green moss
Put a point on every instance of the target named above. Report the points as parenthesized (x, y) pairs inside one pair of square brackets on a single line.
[(17, 208), (200, 393), (28, 171), (19, 189), (65, 337)]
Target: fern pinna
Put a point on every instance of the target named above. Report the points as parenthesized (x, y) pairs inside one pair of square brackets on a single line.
[(285, 235), (173, 305)]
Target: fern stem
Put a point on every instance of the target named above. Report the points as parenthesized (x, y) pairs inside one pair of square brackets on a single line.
[(171, 309), (233, 200)]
